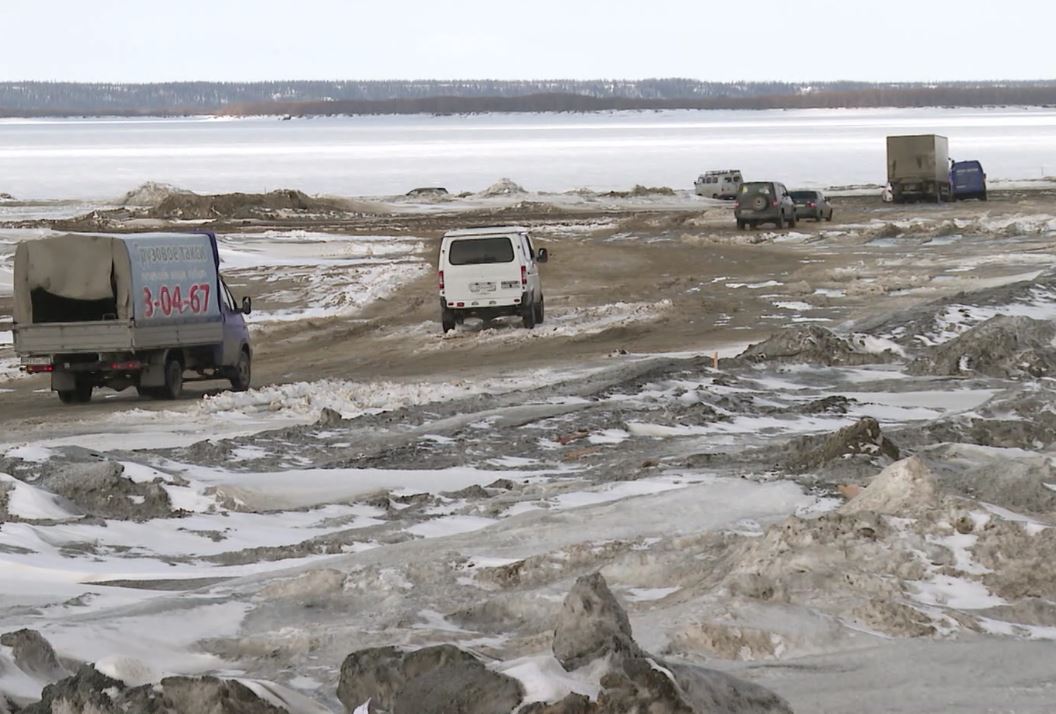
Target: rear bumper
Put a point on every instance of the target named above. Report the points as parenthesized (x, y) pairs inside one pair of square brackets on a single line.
[(121, 366), (479, 303)]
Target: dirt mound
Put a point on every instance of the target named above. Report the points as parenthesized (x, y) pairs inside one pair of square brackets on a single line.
[(593, 626), (1003, 347), (150, 194), (807, 344), (100, 489), (917, 324), (640, 191), (431, 680), (863, 438), (1019, 485), (503, 187), (192, 206), (91, 691), (34, 655), (901, 489)]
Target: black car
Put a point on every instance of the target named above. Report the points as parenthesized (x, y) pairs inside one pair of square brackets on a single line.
[(812, 204)]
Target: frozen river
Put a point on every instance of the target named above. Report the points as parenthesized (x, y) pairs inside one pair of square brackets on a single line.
[(102, 158)]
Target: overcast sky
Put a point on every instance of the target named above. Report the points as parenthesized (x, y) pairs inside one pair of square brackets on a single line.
[(722, 40)]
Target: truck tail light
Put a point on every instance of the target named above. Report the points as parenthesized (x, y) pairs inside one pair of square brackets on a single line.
[(126, 366), (440, 275), (524, 275), (811, 205), (773, 203), (38, 368)]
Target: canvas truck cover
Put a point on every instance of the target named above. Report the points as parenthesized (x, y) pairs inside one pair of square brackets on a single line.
[(153, 278)]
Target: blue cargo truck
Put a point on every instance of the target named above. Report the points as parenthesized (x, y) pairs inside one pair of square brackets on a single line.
[(968, 180), (121, 311)]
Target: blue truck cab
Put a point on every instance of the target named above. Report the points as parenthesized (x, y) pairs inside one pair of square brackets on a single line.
[(967, 180)]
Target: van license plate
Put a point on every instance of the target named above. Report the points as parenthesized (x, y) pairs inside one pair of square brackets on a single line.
[(482, 287)]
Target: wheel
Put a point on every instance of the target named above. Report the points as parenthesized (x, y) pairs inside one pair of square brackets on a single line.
[(780, 222), (528, 316), (829, 219), (242, 373), (817, 217), (447, 320), (173, 380), (80, 394), (982, 196), (792, 221), (740, 225), (540, 311)]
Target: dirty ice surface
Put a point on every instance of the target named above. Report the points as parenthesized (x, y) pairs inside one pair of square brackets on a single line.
[(806, 523)]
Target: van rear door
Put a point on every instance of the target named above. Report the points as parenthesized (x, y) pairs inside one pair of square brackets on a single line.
[(479, 269)]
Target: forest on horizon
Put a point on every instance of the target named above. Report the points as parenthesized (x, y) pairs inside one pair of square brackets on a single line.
[(317, 98)]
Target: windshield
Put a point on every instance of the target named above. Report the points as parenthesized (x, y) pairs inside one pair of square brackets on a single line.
[(480, 250), (763, 188), (804, 195)]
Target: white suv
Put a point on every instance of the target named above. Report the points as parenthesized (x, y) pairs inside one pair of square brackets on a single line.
[(490, 272)]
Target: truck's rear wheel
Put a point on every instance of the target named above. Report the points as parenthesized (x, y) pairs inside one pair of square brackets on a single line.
[(241, 373), (80, 394), (173, 380)]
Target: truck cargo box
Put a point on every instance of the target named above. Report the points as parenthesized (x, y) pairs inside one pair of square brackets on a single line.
[(92, 293)]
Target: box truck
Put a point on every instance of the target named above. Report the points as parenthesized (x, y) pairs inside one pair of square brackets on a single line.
[(123, 311), (918, 168)]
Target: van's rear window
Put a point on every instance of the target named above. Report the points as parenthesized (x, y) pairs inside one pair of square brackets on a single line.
[(480, 250)]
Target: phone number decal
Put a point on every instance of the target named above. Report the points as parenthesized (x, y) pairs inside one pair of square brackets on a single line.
[(170, 301)]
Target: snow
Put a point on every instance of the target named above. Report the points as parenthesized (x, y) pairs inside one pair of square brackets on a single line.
[(30, 503), (956, 593), (450, 525), (545, 680), (650, 594), (609, 436)]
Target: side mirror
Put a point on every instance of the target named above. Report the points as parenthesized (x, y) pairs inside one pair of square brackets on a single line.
[(542, 255), (247, 306)]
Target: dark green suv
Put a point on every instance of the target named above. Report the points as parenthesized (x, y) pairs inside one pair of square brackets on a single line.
[(764, 202)]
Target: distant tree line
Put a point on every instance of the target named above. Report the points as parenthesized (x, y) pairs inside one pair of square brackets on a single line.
[(469, 96)]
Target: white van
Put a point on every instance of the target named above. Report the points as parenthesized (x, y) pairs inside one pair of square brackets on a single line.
[(719, 184), (490, 272)]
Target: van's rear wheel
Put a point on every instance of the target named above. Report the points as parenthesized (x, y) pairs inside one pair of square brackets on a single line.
[(740, 225), (447, 320), (173, 379), (528, 315), (242, 373)]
